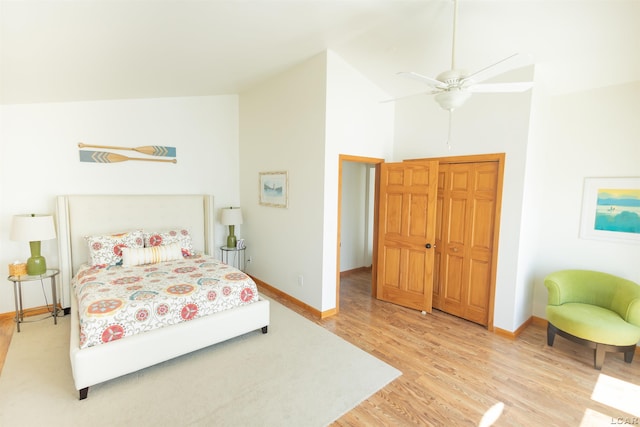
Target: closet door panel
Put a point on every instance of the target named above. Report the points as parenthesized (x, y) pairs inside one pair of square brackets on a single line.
[(466, 215)]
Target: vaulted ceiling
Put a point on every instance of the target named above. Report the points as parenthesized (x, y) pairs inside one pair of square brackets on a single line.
[(54, 50)]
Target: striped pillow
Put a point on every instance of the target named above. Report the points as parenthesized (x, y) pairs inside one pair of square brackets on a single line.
[(152, 255)]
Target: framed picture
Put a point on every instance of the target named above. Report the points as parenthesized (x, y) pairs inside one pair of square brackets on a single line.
[(611, 209), (274, 189)]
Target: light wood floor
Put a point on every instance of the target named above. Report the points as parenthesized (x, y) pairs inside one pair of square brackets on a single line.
[(454, 370)]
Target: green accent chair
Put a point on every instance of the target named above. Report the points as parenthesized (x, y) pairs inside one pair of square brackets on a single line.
[(596, 309)]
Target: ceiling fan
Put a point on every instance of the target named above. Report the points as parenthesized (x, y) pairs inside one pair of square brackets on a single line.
[(451, 89)]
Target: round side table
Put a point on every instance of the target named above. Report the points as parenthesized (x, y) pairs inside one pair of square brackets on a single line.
[(17, 293)]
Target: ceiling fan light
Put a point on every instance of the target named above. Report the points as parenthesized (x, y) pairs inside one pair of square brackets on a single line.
[(452, 99)]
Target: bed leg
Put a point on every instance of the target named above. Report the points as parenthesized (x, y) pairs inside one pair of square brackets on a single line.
[(264, 329), (83, 393)]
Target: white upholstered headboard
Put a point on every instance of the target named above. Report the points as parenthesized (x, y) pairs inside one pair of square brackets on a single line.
[(85, 215)]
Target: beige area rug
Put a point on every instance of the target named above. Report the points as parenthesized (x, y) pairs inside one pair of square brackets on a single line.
[(298, 374)]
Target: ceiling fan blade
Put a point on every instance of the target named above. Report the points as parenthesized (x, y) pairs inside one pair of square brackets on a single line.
[(500, 87), (431, 92), (424, 79), (512, 62)]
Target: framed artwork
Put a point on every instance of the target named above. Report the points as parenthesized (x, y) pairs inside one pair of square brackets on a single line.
[(274, 189), (611, 209)]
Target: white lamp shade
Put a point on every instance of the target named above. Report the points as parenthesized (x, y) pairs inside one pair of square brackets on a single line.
[(32, 228), (231, 216)]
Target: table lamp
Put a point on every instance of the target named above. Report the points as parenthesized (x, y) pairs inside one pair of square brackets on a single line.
[(33, 228), (231, 217)]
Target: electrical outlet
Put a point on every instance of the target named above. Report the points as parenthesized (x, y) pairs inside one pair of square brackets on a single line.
[(249, 260), (300, 280)]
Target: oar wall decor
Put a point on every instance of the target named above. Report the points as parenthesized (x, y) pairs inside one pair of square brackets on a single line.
[(106, 157), (151, 150)]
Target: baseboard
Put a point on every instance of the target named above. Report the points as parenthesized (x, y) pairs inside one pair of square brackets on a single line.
[(295, 301), (537, 321), (33, 311), (354, 271), (533, 320), (512, 335)]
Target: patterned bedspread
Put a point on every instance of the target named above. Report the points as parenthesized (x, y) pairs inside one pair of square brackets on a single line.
[(116, 302)]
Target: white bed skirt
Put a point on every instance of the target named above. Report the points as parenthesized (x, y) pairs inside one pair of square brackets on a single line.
[(104, 362)]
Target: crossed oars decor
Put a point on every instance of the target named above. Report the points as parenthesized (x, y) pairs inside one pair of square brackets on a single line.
[(109, 157)]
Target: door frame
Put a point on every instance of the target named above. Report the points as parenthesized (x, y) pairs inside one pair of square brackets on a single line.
[(365, 160), (479, 158)]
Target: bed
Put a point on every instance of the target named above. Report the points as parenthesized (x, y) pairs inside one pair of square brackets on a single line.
[(88, 215)]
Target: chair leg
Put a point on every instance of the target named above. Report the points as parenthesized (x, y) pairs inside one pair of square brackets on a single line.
[(599, 350), (551, 334), (598, 356)]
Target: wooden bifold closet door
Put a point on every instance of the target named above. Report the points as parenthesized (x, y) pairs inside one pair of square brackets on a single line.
[(465, 227), (406, 233)]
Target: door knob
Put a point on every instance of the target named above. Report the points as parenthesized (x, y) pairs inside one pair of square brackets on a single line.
[(428, 246)]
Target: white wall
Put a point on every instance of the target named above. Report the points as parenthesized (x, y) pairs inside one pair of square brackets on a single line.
[(301, 121), (357, 124), (593, 133), (39, 159), (282, 128), (356, 223), (353, 223)]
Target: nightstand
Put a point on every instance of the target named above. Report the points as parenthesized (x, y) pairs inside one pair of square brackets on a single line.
[(236, 253), (17, 293)]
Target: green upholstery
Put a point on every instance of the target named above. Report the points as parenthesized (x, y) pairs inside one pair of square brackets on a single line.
[(596, 307), (593, 323)]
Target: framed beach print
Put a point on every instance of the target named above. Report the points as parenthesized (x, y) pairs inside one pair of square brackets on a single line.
[(611, 209), (274, 189)]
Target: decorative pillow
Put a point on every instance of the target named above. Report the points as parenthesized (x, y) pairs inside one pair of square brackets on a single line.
[(161, 238), (151, 255), (107, 249)]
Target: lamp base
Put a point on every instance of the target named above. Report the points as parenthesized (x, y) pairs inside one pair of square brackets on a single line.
[(231, 240), (36, 265)]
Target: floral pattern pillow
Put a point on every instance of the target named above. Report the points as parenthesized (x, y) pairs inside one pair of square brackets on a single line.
[(107, 249), (163, 238)]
